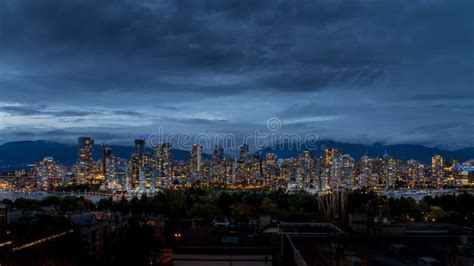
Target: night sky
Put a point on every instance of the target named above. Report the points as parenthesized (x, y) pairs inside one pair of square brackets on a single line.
[(361, 72)]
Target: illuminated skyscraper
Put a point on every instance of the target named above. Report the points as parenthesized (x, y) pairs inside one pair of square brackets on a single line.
[(108, 166), (218, 167), (195, 162), (136, 163), (412, 180), (366, 173), (163, 158), (106, 156), (331, 167), (306, 167), (347, 171), (330, 154), (139, 146), (85, 165), (450, 173), (244, 153), (390, 172), (270, 170), (254, 176), (48, 174), (437, 171), (122, 176)]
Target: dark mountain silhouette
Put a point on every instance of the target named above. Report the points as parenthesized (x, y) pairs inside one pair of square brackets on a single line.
[(21, 153), (401, 151)]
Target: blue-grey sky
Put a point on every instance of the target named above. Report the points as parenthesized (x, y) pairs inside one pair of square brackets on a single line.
[(356, 71)]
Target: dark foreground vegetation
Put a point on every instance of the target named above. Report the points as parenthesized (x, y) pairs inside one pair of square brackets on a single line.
[(151, 224), (203, 204)]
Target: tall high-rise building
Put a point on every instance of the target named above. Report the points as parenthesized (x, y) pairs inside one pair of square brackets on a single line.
[(218, 166), (218, 154), (390, 172), (270, 169), (106, 155), (335, 172), (450, 173), (437, 171), (195, 162), (347, 171), (306, 166), (412, 180), (85, 165), (122, 176), (244, 153), (330, 154), (366, 173), (332, 165), (163, 158), (48, 174), (139, 146), (136, 163)]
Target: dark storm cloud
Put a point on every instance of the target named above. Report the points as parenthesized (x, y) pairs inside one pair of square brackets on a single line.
[(31, 110), (44, 110), (128, 113), (127, 44), (388, 67)]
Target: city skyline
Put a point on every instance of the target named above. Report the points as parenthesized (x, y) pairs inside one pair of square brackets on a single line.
[(154, 170), (364, 72)]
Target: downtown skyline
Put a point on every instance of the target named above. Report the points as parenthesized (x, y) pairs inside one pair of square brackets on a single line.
[(152, 170)]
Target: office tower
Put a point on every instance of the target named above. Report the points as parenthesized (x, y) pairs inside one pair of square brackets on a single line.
[(85, 165), (228, 171), (149, 171), (366, 171), (320, 173), (421, 176), (450, 173), (243, 166), (437, 171), (206, 173), (347, 171), (288, 171), (163, 158), (195, 162), (136, 162), (108, 166), (140, 146), (218, 154), (331, 167), (106, 155), (335, 172), (390, 172), (270, 170), (218, 167), (244, 153), (254, 176), (330, 154), (412, 174), (48, 174), (122, 175), (306, 170)]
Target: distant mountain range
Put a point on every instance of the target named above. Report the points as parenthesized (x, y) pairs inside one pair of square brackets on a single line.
[(401, 151), (21, 153)]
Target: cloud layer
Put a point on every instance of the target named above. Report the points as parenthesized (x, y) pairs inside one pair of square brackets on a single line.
[(359, 71)]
